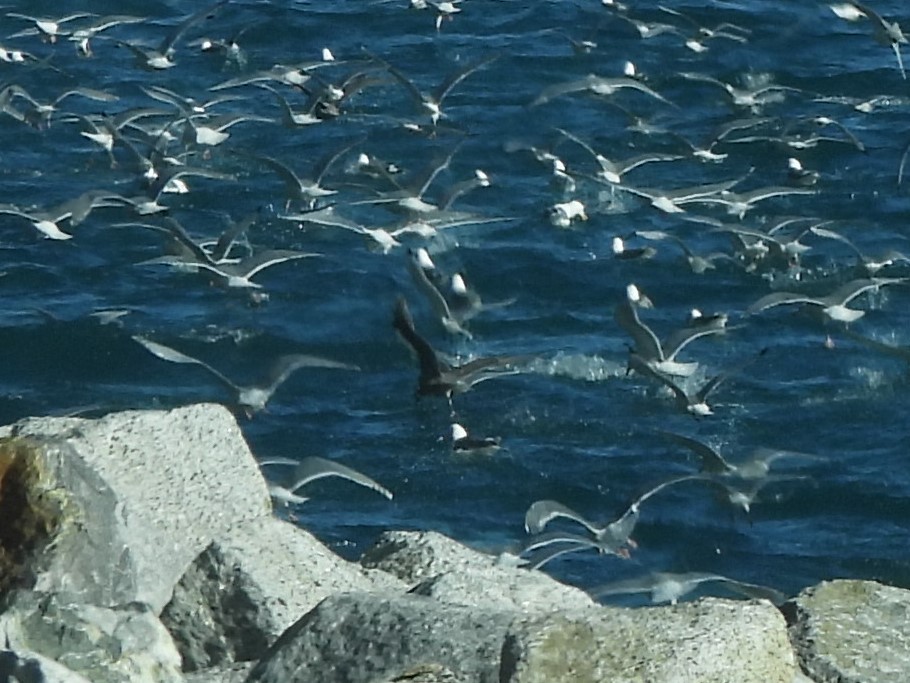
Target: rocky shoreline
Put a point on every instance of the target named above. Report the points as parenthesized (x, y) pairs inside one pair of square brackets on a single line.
[(142, 547)]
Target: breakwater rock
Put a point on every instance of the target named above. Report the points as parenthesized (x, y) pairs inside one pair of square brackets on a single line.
[(142, 546)]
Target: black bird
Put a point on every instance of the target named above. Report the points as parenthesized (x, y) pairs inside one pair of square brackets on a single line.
[(439, 378)]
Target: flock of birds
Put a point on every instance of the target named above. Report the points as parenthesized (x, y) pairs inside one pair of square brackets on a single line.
[(160, 140)]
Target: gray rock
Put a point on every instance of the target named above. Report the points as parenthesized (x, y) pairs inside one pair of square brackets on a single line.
[(251, 584), (852, 632), (106, 645), (439, 567), (358, 638), (143, 492), (232, 673), (707, 641), (414, 556), (30, 667)]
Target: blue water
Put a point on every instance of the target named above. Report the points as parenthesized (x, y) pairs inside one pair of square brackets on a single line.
[(577, 429)]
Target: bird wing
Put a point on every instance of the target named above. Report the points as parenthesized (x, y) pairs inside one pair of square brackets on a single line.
[(722, 376), (454, 79), (752, 590), (542, 512), (711, 460), (264, 259), (564, 88), (170, 40), (313, 468), (647, 345), (431, 367), (173, 356), (781, 298), (286, 365), (231, 235)]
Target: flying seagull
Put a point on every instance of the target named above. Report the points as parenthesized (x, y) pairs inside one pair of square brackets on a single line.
[(832, 307), (614, 538), (755, 466), (313, 468), (694, 403), (668, 587), (438, 377), (251, 398)]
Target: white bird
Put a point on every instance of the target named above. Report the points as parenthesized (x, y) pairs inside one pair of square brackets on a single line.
[(695, 403), (599, 85), (614, 538), (162, 57), (563, 214), (252, 398), (431, 102), (661, 356), (668, 587), (311, 469), (833, 306), (756, 465), (886, 33)]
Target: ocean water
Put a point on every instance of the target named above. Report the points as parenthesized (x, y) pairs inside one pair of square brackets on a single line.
[(575, 428)]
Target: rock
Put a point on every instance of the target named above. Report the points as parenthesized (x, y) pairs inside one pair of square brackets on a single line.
[(852, 632), (707, 641), (29, 667), (106, 645), (363, 637), (360, 637), (232, 673), (251, 584), (139, 495), (439, 567)]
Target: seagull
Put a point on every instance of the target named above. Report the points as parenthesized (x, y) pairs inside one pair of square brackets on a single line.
[(440, 378), (49, 29), (77, 210), (738, 203), (614, 538), (431, 102), (886, 33), (798, 175), (668, 587), (465, 444), (305, 190), (613, 171), (230, 274), (754, 96), (167, 181), (252, 398), (832, 307), (703, 33), (756, 466), (769, 246), (40, 113), (83, 35), (410, 197), (599, 85), (429, 280), (290, 118), (745, 498), (563, 214), (693, 403), (869, 264), (313, 468), (661, 357), (622, 252), (162, 57), (698, 263), (671, 201)]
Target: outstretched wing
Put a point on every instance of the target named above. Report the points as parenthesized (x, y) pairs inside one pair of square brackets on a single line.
[(313, 468)]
